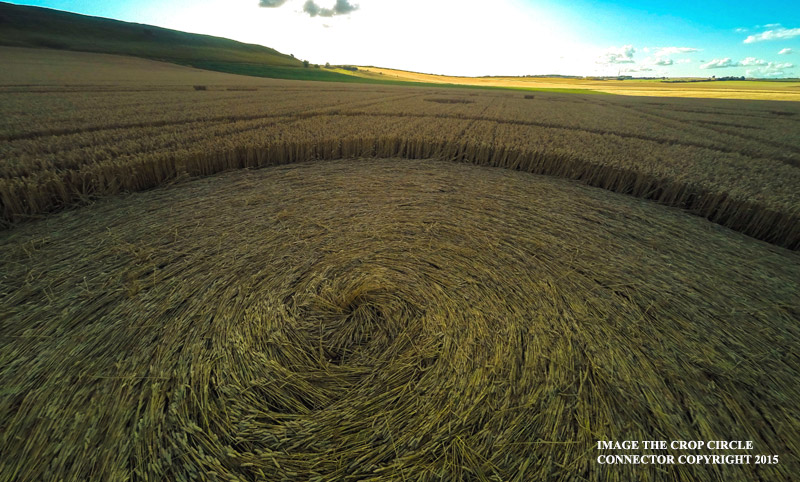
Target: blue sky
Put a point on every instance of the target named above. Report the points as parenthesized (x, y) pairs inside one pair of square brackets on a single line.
[(498, 37)]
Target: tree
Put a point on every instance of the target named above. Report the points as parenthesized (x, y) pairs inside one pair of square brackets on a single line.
[(305, 63)]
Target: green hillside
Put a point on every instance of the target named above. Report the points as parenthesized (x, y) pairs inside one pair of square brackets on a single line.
[(25, 26)]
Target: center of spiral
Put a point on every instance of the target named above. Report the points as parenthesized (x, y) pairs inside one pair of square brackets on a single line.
[(355, 323)]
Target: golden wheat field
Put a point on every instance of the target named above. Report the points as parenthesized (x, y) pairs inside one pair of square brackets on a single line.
[(753, 90), (214, 277)]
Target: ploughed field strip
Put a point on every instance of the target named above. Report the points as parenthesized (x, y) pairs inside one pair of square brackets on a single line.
[(389, 320), (736, 163)]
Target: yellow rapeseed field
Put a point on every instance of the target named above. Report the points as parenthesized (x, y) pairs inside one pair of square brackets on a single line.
[(752, 90)]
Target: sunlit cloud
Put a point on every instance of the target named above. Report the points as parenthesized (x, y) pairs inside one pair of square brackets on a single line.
[(773, 34), (621, 55), (752, 61), (636, 70), (785, 51), (772, 69), (719, 64), (675, 50)]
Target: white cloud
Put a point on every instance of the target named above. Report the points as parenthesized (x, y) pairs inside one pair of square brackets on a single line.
[(771, 25), (771, 69), (660, 55), (752, 61), (785, 51), (675, 50), (765, 69), (621, 55), (741, 30), (773, 34), (684, 61), (636, 70), (719, 64)]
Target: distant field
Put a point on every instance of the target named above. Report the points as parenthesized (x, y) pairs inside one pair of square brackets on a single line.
[(209, 276), (756, 90)]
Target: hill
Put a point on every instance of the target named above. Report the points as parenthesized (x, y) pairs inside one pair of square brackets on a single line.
[(25, 26)]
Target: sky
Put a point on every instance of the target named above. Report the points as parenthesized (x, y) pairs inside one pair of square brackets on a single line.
[(677, 38)]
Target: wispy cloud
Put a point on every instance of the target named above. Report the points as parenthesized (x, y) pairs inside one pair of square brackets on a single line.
[(719, 64), (660, 55), (772, 69), (684, 61), (342, 7), (764, 66), (773, 34), (752, 61), (621, 55), (636, 70), (675, 50), (785, 51)]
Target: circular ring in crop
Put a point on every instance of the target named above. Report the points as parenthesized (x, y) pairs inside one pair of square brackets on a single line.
[(387, 320)]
